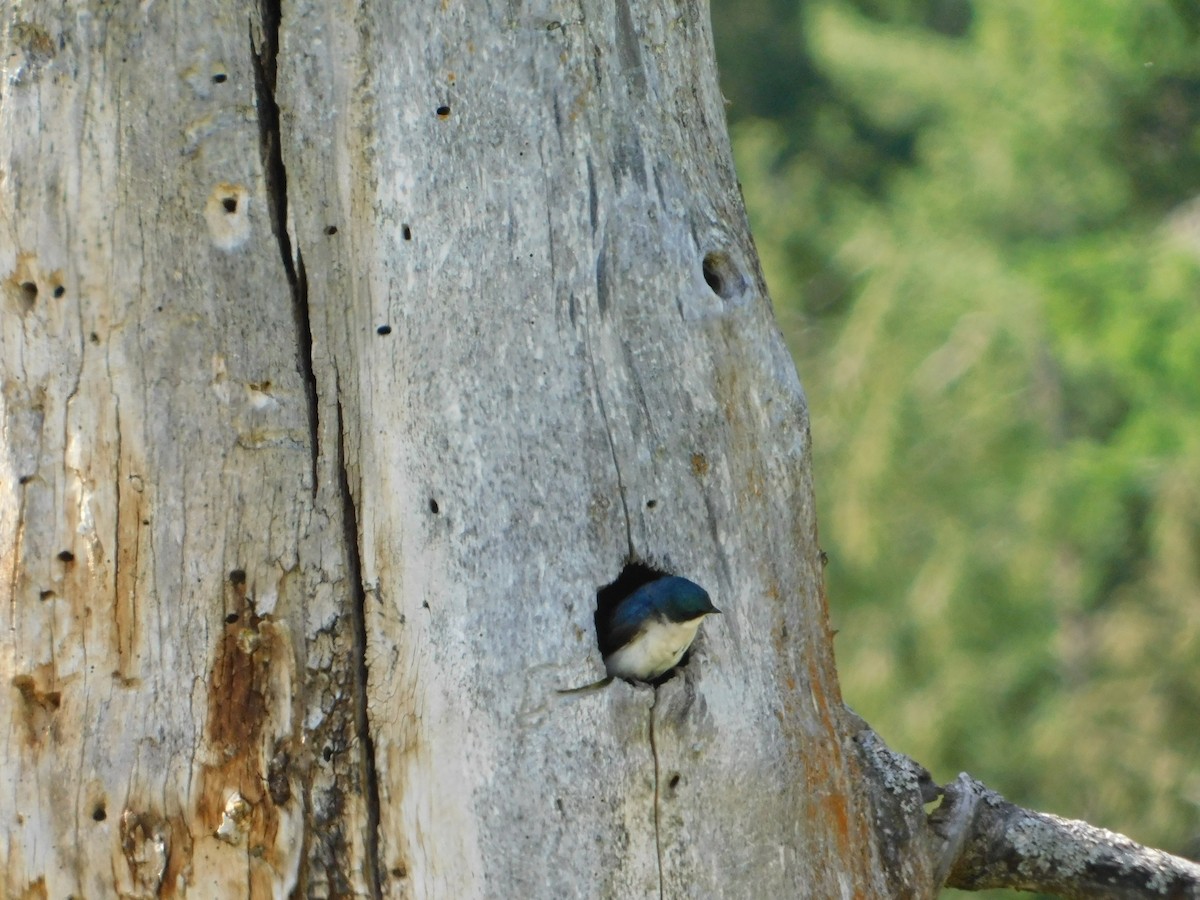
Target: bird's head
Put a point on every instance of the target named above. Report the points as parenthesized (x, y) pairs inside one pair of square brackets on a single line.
[(680, 600)]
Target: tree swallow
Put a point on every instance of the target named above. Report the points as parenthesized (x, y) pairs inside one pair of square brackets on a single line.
[(648, 632)]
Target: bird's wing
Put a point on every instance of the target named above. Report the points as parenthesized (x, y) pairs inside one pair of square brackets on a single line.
[(629, 619)]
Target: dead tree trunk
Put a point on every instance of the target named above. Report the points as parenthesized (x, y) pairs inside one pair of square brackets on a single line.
[(346, 355)]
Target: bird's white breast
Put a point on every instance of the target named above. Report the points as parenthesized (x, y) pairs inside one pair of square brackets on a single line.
[(654, 651)]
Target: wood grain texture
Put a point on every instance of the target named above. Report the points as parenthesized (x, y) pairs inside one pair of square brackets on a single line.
[(389, 333), (155, 433)]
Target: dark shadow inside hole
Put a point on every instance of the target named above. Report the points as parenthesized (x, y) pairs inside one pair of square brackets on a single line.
[(406, 232), (384, 329), (59, 291), (219, 78), (712, 276), (99, 814), (722, 275), (636, 574), (29, 294), (443, 111), (433, 506), (230, 204)]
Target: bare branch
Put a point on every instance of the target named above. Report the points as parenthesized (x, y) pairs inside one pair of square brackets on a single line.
[(1000, 845), (975, 839)]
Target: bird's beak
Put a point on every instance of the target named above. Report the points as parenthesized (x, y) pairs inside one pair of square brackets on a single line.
[(716, 611)]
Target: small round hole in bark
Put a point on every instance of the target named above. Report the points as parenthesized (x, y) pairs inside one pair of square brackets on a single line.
[(650, 504), (433, 506), (99, 814), (219, 78), (59, 291), (443, 112), (29, 294), (231, 618), (67, 556), (722, 275), (406, 232), (229, 204), (383, 329), (331, 230), (237, 576)]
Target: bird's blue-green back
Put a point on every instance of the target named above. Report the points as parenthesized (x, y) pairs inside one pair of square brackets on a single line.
[(669, 598)]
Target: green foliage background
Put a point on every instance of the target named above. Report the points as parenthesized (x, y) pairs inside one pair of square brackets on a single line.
[(980, 228)]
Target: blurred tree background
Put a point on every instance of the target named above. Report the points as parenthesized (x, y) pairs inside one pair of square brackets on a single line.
[(980, 226)]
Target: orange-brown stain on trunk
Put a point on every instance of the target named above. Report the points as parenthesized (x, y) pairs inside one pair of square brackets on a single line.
[(240, 704), (156, 850), (133, 520), (35, 890), (38, 706)]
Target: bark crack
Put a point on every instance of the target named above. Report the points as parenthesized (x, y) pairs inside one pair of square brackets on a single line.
[(657, 830), (612, 448), (264, 59), (362, 720)]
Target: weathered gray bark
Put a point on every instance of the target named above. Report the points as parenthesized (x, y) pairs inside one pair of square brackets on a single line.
[(289, 598)]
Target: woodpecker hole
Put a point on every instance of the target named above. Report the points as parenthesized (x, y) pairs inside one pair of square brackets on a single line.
[(237, 577), (231, 618), (229, 204), (331, 230), (59, 291), (67, 556), (99, 814), (219, 78), (433, 506), (723, 276), (634, 575), (443, 112), (384, 329), (29, 294), (406, 232)]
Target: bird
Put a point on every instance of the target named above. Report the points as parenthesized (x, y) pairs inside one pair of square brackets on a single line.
[(648, 631)]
